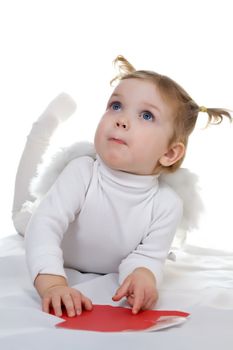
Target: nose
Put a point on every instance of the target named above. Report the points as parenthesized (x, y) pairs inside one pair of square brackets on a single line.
[(122, 123)]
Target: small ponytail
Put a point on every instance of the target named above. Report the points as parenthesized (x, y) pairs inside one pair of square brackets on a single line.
[(123, 66), (215, 115)]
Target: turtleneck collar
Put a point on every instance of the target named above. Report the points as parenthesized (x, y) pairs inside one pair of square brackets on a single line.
[(143, 182)]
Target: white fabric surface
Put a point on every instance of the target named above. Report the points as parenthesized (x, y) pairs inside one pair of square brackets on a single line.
[(199, 282)]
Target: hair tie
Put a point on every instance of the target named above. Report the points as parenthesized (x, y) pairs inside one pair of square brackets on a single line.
[(202, 109)]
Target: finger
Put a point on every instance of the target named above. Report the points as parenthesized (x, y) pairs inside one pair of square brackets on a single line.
[(77, 303), (122, 291), (150, 302), (56, 303), (46, 304), (69, 305), (130, 299), (86, 302), (138, 301)]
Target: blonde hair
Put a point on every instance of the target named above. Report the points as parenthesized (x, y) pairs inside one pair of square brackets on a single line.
[(185, 109)]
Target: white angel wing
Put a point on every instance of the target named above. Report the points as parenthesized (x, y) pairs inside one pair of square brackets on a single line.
[(48, 173), (185, 184)]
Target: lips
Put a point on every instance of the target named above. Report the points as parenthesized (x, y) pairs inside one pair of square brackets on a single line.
[(117, 140)]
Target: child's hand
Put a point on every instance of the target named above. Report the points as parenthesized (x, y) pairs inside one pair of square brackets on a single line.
[(73, 301), (140, 290), (55, 292)]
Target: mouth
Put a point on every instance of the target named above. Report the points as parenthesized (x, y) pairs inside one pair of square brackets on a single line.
[(116, 140)]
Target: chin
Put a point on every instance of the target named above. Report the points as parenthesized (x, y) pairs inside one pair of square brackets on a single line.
[(113, 162)]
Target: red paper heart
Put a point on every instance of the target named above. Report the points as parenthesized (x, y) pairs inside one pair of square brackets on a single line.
[(106, 318)]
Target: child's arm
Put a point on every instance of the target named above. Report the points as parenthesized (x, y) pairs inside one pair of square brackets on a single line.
[(140, 290), (45, 232), (54, 291), (141, 272)]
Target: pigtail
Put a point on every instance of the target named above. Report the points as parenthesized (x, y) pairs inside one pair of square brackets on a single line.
[(123, 67), (215, 115)]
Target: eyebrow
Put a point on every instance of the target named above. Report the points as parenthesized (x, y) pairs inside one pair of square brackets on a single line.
[(152, 106), (145, 103), (116, 95)]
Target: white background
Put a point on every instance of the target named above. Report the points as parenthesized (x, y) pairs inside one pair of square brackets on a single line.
[(49, 46)]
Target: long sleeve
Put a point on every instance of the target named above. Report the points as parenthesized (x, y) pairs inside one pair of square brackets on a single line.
[(153, 249), (51, 219)]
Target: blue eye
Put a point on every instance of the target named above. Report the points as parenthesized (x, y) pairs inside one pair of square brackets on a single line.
[(147, 115), (116, 106)]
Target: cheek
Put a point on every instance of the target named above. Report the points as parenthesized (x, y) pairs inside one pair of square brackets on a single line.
[(100, 132), (97, 137), (150, 145), (146, 139), (102, 126)]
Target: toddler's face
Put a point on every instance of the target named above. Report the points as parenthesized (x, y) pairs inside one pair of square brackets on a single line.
[(135, 130)]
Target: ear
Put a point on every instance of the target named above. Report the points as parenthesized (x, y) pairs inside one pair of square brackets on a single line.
[(175, 152)]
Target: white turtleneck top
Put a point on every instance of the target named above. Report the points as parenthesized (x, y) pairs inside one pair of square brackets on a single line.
[(99, 220)]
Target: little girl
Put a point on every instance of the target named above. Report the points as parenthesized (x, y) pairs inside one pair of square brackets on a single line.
[(112, 213)]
